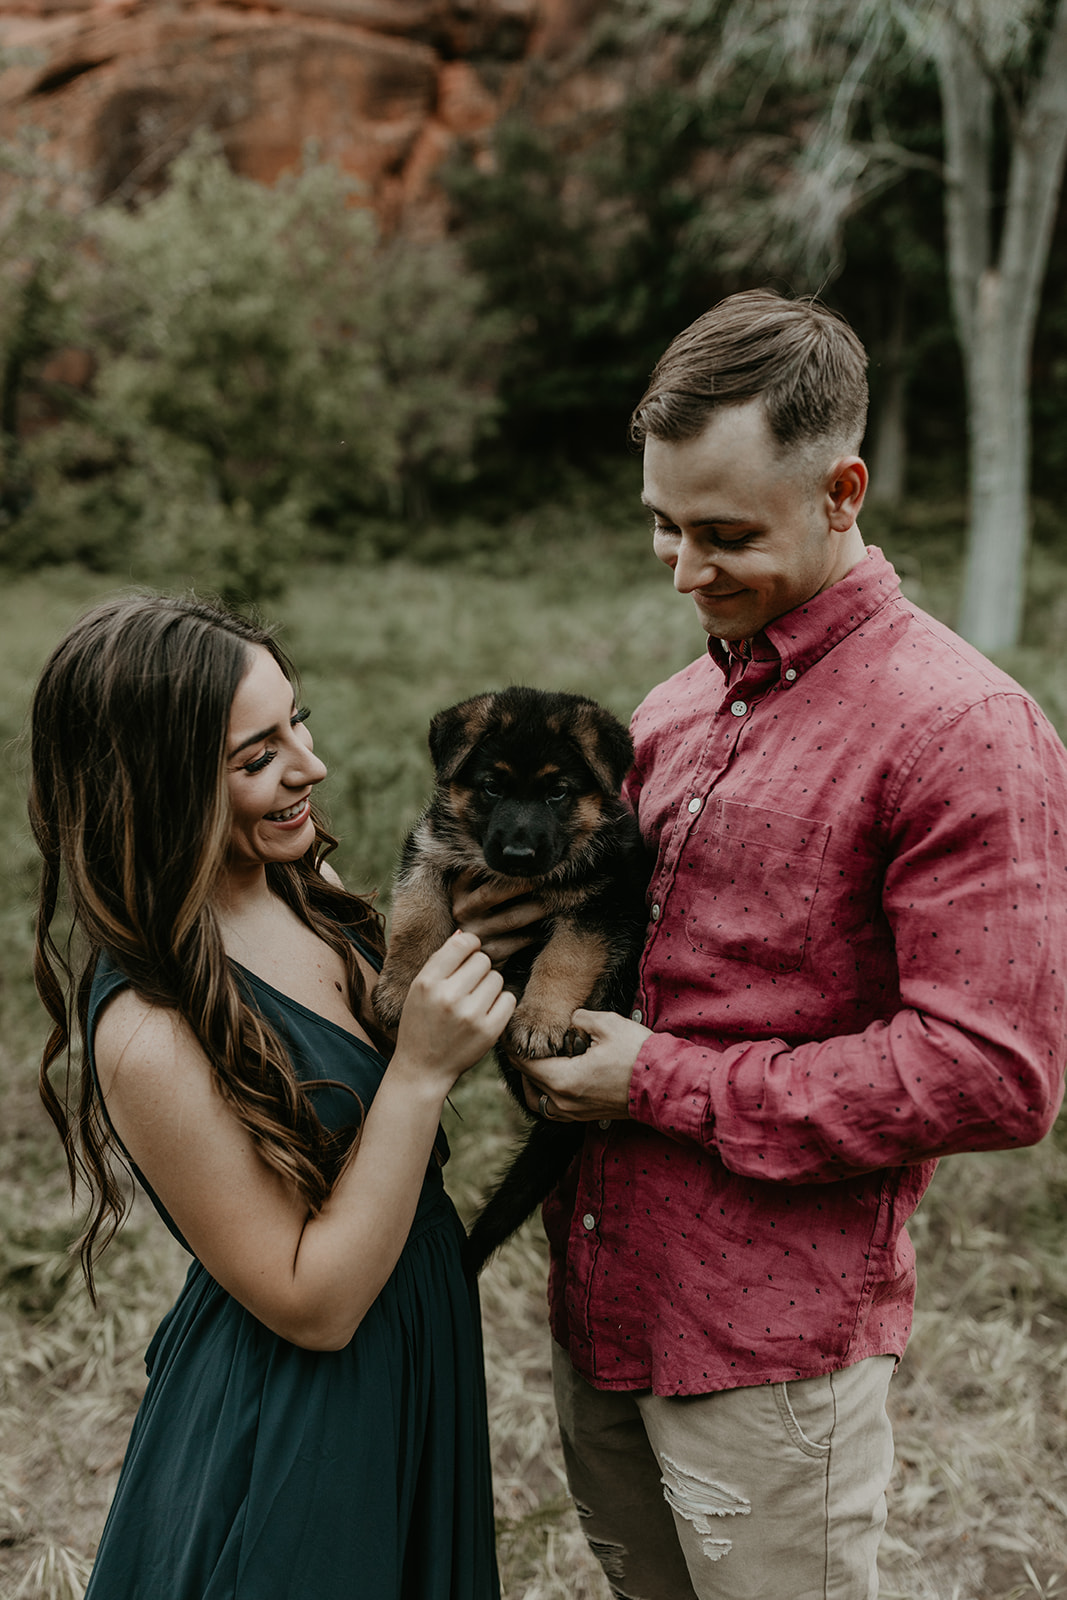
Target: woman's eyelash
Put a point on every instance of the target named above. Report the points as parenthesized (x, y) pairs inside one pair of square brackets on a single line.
[(260, 762)]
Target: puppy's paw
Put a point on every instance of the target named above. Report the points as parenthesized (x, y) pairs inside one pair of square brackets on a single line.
[(390, 992), (532, 1036)]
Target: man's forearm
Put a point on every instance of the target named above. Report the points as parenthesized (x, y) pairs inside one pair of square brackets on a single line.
[(907, 1090)]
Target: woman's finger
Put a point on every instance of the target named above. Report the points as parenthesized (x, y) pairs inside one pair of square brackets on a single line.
[(459, 948)]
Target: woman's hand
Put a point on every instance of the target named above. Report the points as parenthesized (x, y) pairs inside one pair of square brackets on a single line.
[(503, 924), (456, 1009)]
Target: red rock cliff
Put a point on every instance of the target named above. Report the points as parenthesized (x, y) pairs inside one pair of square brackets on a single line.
[(382, 87)]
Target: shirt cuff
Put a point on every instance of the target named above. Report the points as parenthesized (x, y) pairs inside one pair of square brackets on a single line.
[(670, 1088)]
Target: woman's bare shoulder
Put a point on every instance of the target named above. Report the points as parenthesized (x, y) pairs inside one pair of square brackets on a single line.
[(139, 1037)]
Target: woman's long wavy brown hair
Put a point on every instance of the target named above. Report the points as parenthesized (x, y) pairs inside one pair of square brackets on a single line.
[(129, 808)]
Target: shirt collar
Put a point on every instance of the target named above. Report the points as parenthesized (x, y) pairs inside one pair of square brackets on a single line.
[(798, 639)]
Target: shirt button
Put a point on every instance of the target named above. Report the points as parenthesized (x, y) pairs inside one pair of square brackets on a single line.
[(637, 1016), (655, 913), (739, 708), (604, 1124), (695, 805), (588, 1221), (790, 674)]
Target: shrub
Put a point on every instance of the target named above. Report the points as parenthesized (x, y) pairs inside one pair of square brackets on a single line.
[(266, 370)]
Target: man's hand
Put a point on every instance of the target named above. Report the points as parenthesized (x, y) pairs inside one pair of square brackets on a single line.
[(593, 1086), (504, 925)]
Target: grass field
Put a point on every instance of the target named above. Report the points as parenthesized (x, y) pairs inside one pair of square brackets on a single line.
[(567, 598)]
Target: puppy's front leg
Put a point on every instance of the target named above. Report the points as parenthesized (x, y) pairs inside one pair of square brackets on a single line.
[(421, 922), (566, 972)]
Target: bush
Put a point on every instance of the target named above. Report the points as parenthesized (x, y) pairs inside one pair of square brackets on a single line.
[(266, 373), (38, 230)]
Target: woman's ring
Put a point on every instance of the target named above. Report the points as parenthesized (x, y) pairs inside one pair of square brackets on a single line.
[(542, 1105)]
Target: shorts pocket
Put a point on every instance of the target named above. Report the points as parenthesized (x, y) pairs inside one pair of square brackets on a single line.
[(757, 877), (806, 1407)]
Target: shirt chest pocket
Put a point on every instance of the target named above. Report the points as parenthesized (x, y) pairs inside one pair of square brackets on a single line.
[(752, 878)]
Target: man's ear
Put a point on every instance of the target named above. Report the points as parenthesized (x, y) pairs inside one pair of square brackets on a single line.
[(845, 491)]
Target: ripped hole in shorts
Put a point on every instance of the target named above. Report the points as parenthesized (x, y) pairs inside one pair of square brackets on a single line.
[(699, 1500)]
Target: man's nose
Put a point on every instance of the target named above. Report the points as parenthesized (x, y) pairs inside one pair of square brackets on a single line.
[(694, 568)]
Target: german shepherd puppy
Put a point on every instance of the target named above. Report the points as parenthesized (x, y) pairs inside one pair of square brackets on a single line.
[(527, 795)]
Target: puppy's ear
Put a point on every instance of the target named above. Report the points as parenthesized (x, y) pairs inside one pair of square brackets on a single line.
[(605, 746), (455, 732)]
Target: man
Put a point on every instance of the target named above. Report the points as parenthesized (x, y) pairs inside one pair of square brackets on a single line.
[(855, 964)]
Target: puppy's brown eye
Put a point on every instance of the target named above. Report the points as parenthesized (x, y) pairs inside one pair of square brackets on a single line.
[(491, 789), (557, 798)]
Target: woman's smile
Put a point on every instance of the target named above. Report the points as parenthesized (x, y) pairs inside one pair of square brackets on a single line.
[(294, 813)]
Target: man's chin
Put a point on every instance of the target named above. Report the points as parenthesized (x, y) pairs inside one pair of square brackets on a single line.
[(725, 622)]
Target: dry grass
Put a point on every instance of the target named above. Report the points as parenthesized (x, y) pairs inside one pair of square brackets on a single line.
[(70, 1377), (979, 1503), (543, 1554)]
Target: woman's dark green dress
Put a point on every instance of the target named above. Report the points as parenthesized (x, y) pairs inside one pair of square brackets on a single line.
[(257, 1470)]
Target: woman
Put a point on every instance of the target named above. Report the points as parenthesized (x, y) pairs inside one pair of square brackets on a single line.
[(314, 1422)]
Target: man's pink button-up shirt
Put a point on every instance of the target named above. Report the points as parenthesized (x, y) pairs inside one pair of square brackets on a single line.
[(855, 964)]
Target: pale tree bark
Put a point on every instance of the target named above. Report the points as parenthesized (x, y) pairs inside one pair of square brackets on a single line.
[(996, 292)]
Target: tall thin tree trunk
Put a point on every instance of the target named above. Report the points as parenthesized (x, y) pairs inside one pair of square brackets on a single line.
[(991, 604), (995, 297)]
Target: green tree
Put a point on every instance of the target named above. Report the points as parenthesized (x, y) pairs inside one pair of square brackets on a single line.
[(40, 210), (594, 229), (265, 369)]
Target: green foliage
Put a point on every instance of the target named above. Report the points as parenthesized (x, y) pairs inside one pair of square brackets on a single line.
[(38, 227), (606, 232), (724, 144), (267, 375), (529, 234)]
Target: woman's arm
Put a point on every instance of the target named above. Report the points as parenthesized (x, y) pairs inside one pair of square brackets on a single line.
[(310, 1279)]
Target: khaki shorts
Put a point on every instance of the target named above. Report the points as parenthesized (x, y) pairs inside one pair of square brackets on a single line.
[(768, 1493)]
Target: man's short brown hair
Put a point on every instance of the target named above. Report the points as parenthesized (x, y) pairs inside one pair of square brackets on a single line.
[(799, 357)]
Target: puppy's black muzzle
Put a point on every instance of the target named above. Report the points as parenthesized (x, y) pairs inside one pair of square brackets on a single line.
[(524, 839)]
